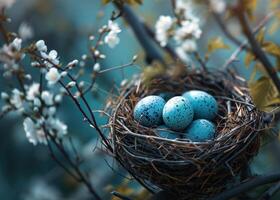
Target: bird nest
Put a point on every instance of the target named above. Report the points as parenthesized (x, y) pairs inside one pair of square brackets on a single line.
[(190, 170)]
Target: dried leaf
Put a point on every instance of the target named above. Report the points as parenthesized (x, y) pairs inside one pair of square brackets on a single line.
[(271, 48), (215, 44), (274, 102), (249, 58), (263, 92), (250, 6), (260, 36)]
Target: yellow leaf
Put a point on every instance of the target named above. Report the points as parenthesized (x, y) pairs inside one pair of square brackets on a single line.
[(249, 58), (271, 48), (263, 91), (260, 36), (274, 102), (250, 6), (215, 44), (260, 68)]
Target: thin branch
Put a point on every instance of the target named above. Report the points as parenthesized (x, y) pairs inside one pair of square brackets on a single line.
[(247, 186), (256, 48), (235, 54), (227, 33), (270, 192), (120, 196)]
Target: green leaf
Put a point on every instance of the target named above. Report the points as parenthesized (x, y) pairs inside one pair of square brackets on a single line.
[(216, 43)]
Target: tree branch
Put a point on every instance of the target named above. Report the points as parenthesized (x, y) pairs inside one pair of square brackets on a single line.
[(256, 48), (247, 186), (141, 34), (242, 46), (228, 33)]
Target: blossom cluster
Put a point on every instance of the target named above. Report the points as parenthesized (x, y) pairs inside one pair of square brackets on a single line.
[(36, 101), (38, 106), (184, 28)]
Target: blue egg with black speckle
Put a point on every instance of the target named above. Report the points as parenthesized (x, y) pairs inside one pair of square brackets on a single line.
[(204, 105), (200, 130), (164, 132), (148, 111), (177, 113)]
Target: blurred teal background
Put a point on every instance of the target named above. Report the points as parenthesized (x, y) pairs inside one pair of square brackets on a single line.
[(27, 171)]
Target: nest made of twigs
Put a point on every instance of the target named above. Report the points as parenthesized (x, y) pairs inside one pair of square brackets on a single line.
[(190, 170)]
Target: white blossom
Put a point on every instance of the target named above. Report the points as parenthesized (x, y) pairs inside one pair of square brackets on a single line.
[(96, 67), (4, 96), (51, 58), (33, 91), (163, 25), (112, 38), (188, 29), (182, 54), (53, 76), (41, 46), (33, 134), (47, 97), (114, 27), (58, 98), (73, 63), (25, 31), (58, 126), (17, 43), (189, 46), (64, 73), (218, 6), (16, 99), (71, 84), (37, 102)]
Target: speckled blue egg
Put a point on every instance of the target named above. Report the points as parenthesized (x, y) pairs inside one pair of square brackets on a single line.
[(177, 113), (164, 132), (204, 105), (200, 130), (148, 111)]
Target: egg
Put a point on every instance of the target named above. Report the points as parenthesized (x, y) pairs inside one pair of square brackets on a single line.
[(200, 130), (164, 132), (148, 111), (177, 113), (204, 105)]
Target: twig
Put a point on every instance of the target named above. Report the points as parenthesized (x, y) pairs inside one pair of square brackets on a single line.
[(227, 32), (116, 67), (242, 46), (247, 186), (120, 196), (270, 192), (201, 62)]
